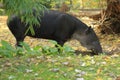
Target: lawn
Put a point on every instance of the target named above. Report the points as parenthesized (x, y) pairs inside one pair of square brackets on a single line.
[(60, 67)]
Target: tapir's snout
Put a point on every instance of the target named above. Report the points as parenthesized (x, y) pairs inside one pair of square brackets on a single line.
[(95, 47), (97, 50)]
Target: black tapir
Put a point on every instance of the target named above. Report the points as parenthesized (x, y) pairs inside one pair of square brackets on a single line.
[(56, 26)]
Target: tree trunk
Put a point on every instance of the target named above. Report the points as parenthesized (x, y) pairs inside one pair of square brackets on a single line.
[(110, 18)]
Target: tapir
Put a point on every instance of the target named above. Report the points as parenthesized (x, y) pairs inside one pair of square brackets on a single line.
[(58, 26)]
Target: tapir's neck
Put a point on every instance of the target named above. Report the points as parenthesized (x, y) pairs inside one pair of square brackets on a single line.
[(80, 26)]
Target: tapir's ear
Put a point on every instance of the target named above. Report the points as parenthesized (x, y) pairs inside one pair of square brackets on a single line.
[(88, 30)]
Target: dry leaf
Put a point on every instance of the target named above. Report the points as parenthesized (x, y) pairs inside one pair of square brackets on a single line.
[(99, 70)]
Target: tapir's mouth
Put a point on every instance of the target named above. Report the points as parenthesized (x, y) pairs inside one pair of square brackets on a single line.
[(96, 51)]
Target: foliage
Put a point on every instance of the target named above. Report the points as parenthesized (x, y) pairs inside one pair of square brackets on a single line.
[(46, 3), (24, 9), (2, 12), (6, 50)]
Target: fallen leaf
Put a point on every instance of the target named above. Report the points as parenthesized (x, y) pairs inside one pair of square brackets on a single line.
[(79, 78), (36, 74), (99, 79), (29, 70), (82, 63), (55, 69), (118, 78), (75, 48), (103, 63), (106, 57), (99, 70), (92, 61), (8, 64), (11, 77), (65, 63), (115, 56), (78, 75), (77, 71)]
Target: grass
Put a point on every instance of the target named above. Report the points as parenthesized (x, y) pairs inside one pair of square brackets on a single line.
[(60, 67)]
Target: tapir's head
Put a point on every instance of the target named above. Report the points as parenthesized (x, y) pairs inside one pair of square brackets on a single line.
[(88, 39)]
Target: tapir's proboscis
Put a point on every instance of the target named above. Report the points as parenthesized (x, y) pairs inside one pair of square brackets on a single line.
[(58, 26)]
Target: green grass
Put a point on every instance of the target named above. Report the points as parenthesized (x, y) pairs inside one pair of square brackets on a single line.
[(46, 63), (59, 67)]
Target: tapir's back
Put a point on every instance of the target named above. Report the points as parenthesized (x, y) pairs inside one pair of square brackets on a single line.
[(54, 23)]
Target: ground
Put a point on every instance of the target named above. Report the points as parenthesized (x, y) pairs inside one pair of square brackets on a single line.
[(62, 66), (110, 43)]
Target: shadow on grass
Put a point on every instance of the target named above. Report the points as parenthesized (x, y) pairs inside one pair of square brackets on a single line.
[(83, 53)]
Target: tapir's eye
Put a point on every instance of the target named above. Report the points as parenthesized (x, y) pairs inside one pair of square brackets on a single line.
[(82, 43)]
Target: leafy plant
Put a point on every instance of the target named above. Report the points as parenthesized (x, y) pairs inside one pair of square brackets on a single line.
[(62, 49), (2, 12), (6, 50), (24, 9)]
